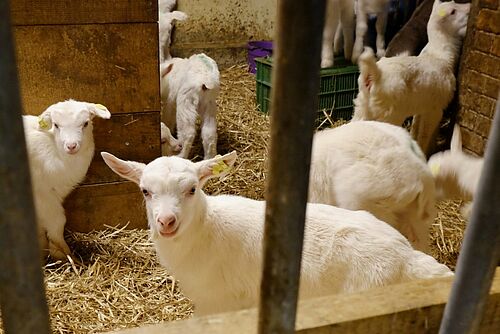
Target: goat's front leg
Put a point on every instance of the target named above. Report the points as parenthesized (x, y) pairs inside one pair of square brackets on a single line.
[(424, 129), (331, 24), (347, 23), (53, 220), (361, 28), (380, 26)]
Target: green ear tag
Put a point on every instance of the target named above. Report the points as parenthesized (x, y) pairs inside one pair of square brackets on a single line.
[(42, 123), (220, 167)]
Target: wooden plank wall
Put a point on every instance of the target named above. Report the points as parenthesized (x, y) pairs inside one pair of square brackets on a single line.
[(102, 51), (413, 307)]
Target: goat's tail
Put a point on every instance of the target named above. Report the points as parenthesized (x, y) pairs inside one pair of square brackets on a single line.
[(369, 71)]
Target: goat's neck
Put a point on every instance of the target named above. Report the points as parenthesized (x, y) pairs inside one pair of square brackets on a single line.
[(443, 46)]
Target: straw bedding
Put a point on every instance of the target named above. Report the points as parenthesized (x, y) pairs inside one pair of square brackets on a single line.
[(119, 282)]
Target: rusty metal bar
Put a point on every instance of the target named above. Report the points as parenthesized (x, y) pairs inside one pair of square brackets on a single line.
[(22, 297), (293, 111), (481, 247)]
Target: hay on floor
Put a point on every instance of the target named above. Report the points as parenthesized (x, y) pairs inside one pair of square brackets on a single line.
[(119, 282)]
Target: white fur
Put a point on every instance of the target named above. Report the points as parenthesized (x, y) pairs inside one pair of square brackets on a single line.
[(213, 244), (166, 6), (376, 167), (189, 87), (393, 89), (339, 18), (59, 155), (169, 145), (165, 25), (456, 173), (380, 8)]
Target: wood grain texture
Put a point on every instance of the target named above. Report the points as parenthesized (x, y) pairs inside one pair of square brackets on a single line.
[(41, 12), (90, 207), (413, 307), (134, 136), (112, 64)]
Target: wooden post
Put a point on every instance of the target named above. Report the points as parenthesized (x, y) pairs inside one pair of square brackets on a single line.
[(481, 246), (22, 296), (293, 111)]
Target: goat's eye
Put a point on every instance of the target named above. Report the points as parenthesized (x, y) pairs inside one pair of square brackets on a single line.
[(57, 126), (86, 124), (453, 12), (192, 190), (145, 192)]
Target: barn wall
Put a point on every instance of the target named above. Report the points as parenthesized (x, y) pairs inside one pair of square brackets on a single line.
[(102, 51), (222, 28), (479, 77)]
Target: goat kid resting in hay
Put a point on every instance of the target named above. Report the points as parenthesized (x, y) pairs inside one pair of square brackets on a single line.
[(208, 241)]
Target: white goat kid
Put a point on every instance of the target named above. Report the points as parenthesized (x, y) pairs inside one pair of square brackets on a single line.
[(213, 244), (456, 173), (60, 148), (169, 145), (393, 89), (376, 167), (189, 87), (339, 18), (364, 7), (166, 24)]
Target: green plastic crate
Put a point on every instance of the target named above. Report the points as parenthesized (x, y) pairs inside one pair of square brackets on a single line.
[(338, 86)]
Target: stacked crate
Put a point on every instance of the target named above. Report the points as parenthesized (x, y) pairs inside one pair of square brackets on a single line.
[(338, 86)]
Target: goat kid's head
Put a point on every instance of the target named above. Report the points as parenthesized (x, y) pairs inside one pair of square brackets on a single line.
[(71, 122), (172, 188), (173, 146), (450, 17)]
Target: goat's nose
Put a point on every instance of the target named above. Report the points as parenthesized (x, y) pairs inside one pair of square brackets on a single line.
[(166, 221), (71, 146)]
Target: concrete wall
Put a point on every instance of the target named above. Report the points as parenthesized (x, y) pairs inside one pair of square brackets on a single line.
[(479, 77), (222, 28)]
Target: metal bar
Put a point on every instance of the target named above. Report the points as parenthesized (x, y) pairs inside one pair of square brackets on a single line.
[(481, 247), (293, 110), (22, 297)]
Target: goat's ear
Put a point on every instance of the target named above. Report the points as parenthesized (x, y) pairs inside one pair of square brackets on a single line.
[(215, 167), (129, 170), (45, 120), (164, 70), (178, 15), (456, 139), (98, 110)]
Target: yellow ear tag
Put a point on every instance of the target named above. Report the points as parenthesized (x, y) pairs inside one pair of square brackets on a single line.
[(442, 12), (43, 123), (220, 167), (100, 106), (435, 169)]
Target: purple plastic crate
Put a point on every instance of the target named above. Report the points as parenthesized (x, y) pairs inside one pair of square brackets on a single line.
[(257, 49)]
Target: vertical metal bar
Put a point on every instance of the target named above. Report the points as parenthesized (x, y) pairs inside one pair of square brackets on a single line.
[(293, 111), (22, 297), (481, 247)]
